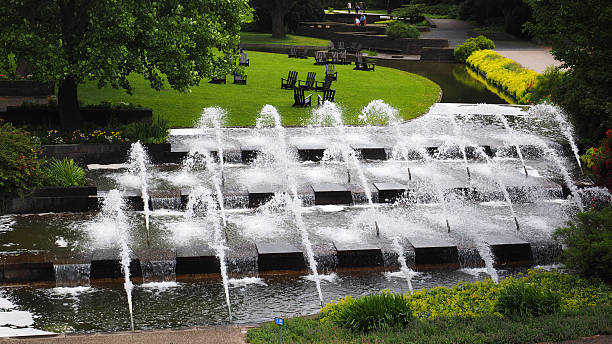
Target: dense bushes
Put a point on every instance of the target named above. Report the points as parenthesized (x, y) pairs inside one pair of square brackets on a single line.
[(400, 29), (588, 241), (504, 73), (20, 167), (371, 312), (147, 132), (519, 299), (64, 173), (599, 160), (463, 51)]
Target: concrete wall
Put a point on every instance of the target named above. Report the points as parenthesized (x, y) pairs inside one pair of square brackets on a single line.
[(109, 153)]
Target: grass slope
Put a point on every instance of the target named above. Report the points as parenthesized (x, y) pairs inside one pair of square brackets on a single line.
[(266, 38), (410, 93)]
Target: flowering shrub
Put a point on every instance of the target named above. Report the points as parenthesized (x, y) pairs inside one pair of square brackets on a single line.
[(599, 160), (53, 137), (19, 160), (472, 44), (505, 74), (468, 300)]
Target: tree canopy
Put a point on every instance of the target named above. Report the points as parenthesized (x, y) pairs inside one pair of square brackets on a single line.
[(71, 41), (580, 33)]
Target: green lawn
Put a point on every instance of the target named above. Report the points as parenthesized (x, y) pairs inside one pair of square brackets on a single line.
[(266, 38), (410, 93)]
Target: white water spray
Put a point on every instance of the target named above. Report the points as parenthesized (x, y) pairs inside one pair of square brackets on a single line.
[(138, 166)]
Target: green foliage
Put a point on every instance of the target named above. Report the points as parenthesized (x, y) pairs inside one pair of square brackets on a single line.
[(584, 91), (504, 73), (56, 137), (472, 44), (588, 241), (545, 85), (488, 329), (19, 160), (409, 13), (599, 160), (373, 313), (400, 29), (171, 42), (65, 173), (147, 132), (520, 299)]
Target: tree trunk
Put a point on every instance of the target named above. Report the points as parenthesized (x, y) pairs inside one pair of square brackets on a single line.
[(68, 105), (278, 23)]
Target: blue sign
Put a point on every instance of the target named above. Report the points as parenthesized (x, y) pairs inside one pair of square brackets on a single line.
[(279, 321)]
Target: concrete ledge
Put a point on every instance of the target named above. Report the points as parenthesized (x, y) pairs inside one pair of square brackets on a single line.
[(358, 255), (330, 193), (195, 260), (434, 254), (279, 256), (105, 263), (390, 192), (26, 267), (509, 251)]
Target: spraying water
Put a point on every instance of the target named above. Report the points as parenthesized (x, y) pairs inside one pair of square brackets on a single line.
[(138, 166), (511, 134), (269, 116), (113, 214), (541, 110), (200, 199)]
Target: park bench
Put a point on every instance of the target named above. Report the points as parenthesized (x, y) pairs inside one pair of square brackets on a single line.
[(362, 64), (289, 83), (342, 57), (293, 52), (341, 45), (240, 78), (321, 58), (299, 99), (244, 61), (309, 84), (303, 54), (330, 70), (328, 96), (324, 85), (330, 46)]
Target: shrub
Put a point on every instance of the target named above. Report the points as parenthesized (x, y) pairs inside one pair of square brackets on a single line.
[(599, 160), (463, 51), (373, 313), (54, 136), (155, 131), (64, 173), (19, 160), (545, 85), (507, 75), (588, 240), (409, 13), (398, 29), (520, 298)]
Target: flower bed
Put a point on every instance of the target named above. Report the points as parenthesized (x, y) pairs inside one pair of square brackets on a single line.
[(507, 75)]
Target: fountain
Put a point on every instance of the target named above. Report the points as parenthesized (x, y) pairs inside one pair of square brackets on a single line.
[(138, 161)]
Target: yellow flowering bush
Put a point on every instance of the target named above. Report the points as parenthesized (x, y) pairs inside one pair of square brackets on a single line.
[(479, 298), (95, 136), (504, 73)]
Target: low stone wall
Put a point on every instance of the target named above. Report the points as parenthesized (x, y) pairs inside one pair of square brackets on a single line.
[(86, 153), (55, 199), (281, 48), (49, 117), (408, 46), (438, 54), (25, 88)]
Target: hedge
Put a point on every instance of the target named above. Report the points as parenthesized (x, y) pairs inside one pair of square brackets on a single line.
[(504, 73)]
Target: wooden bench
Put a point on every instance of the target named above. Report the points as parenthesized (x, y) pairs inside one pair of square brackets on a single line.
[(309, 84), (240, 77), (328, 96), (321, 58), (330, 70), (289, 83), (324, 85), (303, 54), (293, 52), (244, 61), (299, 99), (362, 64)]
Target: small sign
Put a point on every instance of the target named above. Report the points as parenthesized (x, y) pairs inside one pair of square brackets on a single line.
[(279, 321)]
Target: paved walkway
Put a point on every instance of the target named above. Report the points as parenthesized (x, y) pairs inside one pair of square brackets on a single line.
[(201, 335), (530, 55)]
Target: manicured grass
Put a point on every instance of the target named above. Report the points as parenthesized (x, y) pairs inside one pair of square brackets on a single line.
[(410, 93), (266, 38), (449, 330)]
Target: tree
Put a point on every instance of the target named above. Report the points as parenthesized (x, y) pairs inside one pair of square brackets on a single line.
[(580, 33), (277, 9), (72, 41)]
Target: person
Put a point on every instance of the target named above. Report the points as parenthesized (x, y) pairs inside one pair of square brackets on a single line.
[(356, 21), (362, 20), (356, 8), (349, 7)]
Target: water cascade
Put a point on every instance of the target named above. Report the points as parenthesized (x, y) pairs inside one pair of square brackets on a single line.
[(511, 134), (113, 214), (270, 116), (71, 275), (201, 200), (540, 110), (138, 166)]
